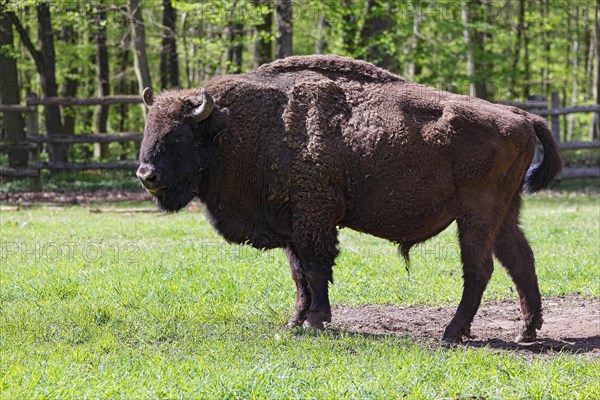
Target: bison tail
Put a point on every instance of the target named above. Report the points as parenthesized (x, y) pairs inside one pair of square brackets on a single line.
[(539, 176)]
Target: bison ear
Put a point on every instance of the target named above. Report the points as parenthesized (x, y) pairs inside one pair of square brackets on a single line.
[(218, 122), (147, 97)]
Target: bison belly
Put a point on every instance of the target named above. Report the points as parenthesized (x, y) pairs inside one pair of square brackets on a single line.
[(403, 203)]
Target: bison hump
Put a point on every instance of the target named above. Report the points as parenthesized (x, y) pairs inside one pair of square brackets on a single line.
[(329, 65)]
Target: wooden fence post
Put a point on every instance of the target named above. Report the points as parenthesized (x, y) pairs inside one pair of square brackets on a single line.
[(538, 154), (34, 154), (554, 104)]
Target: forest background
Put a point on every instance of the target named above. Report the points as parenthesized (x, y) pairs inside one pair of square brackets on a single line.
[(493, 49)]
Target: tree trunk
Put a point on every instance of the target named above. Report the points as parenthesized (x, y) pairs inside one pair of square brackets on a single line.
[(12, 122), (173, 60), (514, 85), (45, 61), (413, 67), (186, 49), (102, 76), (378, 23), (349, 27), (140, 60), (125, 85), (235, 47), (322, 27), (587, 52), (527, 63), (547, 50), (574, 73), (283, 28), (263, 47), (474, 43), (69, 88), (169, 65), (595, 131)]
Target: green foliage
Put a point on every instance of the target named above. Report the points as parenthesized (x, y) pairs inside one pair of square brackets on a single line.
[(8, 51), (158, 306), (426, 40), (438, 54)]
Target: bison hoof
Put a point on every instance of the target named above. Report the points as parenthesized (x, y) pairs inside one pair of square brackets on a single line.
[(452, 339), (294, 323), (317, 321), (528, 331), (455, 336), (526, 338), (317, 325)]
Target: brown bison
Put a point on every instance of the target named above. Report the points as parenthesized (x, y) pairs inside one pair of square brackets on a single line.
[(284, 155)]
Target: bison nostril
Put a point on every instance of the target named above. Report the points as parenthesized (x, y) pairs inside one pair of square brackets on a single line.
[(148, 175), (153, 178)]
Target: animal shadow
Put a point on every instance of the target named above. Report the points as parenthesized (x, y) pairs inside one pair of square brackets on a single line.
[(543, 345)]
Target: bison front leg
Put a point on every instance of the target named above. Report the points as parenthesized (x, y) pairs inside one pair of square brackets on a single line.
[(303, 297), (312, 271)]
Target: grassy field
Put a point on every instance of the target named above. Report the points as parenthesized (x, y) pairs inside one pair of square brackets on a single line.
[(146, 305)]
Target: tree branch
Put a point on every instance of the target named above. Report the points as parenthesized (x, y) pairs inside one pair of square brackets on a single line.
[(35, 53)]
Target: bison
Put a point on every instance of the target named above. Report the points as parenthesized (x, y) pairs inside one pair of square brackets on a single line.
[(283, 156)]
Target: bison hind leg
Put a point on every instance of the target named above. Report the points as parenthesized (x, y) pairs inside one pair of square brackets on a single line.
[(514, 252), (477, 223)]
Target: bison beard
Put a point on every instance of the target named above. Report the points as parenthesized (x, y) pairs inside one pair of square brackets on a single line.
[(285, 155), (174, 199)]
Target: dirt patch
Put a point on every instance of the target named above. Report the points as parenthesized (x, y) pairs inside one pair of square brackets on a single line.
[(571, 324)]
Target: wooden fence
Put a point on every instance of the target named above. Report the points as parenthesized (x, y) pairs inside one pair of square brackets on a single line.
[(34, 141), (540, 107)]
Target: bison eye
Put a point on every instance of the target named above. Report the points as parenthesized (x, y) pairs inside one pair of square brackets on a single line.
[(183, 138)]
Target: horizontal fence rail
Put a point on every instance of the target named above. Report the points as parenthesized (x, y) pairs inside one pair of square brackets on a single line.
[(525, 105), (5, 146), (96, 101), (82, 166), (18, 108), (87, 138), (567, 110), (28, 172), (580, 172), (579, 145)]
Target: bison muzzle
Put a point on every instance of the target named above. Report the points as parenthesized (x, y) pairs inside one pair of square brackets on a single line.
[(285, 155)]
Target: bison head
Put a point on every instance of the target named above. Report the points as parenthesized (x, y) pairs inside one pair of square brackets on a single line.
[(179, 147)]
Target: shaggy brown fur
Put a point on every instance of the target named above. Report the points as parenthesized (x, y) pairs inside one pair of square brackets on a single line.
[(304, 145)]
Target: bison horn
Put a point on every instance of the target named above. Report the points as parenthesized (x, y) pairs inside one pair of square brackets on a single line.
[(147, 97), (202, 112)]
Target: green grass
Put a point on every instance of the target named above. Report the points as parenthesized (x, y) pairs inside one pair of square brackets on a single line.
[(157, 306)]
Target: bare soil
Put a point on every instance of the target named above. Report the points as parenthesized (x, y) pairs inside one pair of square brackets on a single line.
[(571, 324)]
